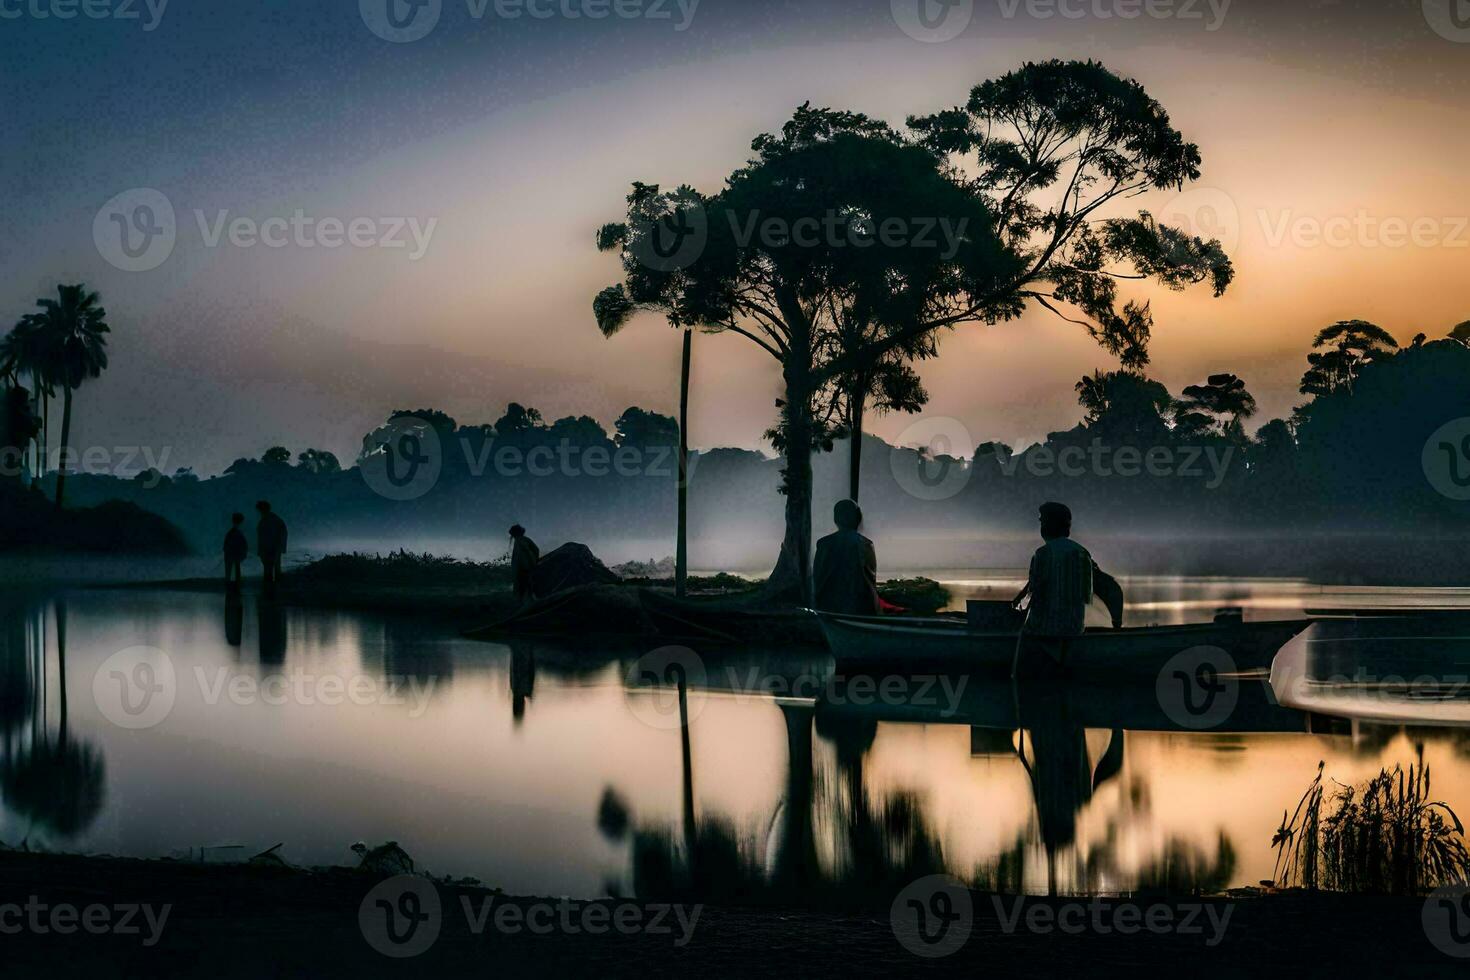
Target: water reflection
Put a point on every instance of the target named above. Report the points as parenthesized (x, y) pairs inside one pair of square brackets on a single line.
[(839, 843), (522, 677), (234, 619), (524, 766), (270, 625), (53, 780)]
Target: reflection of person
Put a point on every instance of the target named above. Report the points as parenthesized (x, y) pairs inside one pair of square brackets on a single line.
[(271, 622), (234, 619), (845, 571), (522, 678), (270, 544), (236, 548), (523, 558), (1061, 779)]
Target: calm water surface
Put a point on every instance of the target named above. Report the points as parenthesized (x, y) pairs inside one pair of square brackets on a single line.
[(544, 771)]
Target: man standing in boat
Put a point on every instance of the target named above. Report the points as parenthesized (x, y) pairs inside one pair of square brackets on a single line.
[(845, 571), (1060, 580)]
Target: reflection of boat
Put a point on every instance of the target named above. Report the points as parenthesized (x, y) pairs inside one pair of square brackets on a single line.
[(992, 705), (938, 643), (1408, 668)]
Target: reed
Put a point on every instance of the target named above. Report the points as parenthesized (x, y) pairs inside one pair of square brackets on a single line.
[(1386, 837)]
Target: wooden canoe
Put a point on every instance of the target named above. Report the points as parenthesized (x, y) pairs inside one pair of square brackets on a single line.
[(936, 643)]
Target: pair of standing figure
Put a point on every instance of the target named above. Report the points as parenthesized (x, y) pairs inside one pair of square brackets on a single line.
[(270, 545)]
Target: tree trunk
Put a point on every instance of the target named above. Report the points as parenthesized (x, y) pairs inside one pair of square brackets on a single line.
[(796, 849), (45, 435), (790, 581), (65, 441), (857, 401), (681, 546)]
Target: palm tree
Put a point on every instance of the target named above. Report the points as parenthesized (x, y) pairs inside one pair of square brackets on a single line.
[(73, 348), (24, 350)]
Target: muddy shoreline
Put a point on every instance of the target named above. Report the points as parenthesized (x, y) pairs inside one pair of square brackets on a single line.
[(234, 920)]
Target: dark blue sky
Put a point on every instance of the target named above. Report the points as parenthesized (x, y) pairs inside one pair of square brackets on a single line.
[(517, 137)]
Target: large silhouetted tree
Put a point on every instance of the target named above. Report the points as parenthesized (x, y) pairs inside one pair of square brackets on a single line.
[(1124, 407), (1054, 142), (1221, 401), (818, 229), (1339, 353)]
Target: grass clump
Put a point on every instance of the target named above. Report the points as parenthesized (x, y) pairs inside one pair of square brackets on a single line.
[(1387, 837)]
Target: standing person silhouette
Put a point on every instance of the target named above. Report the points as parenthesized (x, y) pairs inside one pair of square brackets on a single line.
[(1059, 585), (270, 545), (235, 548), (523, 558)]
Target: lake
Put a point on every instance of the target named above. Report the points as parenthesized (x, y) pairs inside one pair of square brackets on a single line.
[(152, 723)]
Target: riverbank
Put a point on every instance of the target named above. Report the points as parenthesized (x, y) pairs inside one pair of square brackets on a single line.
[(477, 596), (233, 920)]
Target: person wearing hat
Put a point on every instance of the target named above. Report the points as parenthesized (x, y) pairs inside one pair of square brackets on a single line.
[(845, 571)]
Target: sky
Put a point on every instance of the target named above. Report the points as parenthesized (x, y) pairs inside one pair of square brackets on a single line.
[(362, 224)]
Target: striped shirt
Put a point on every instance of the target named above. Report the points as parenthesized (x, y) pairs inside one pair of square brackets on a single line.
[(1061, 587)]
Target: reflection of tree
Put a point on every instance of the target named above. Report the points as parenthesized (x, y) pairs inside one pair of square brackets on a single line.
[(17, 676), (57, 782), (1183, 868), (878, 846)]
